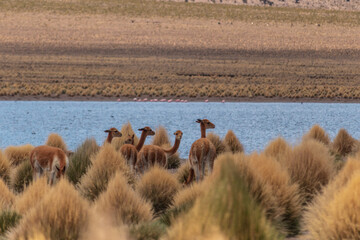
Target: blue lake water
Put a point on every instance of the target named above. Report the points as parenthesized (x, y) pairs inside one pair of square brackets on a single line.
[(255, 124)]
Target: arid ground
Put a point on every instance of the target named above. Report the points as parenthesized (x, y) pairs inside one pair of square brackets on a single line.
[(109, 49)]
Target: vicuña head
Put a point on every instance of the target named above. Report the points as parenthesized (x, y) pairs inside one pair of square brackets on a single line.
[(205, 124), (130, 139), (129, 151), (112, 132), (151, 155)]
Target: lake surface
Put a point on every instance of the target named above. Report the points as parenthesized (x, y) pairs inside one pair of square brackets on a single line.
[(255, 124)]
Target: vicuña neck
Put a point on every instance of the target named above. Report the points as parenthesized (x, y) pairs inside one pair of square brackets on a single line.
[(203, 130), (109, 138), (173, 150), (141, 141)]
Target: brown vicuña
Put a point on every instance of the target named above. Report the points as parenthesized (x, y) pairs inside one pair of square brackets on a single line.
[(112, 132), (202, 152), (151, 154), (129, 151), (46, 158)]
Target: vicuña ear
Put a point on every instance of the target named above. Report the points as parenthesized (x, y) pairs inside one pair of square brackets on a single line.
[(133, 136), (57, 168), (141, 129), (199, 121), (107, 131)]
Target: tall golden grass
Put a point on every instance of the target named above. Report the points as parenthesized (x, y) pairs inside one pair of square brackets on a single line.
[(319, 134), (277, 148), (31, 196), (225, 211), (344, 143), (7, 198), (218, 143), (126, 130), (21, 176), (311, 166), (317, 216), (122, 204), (80, 160), (61, 214), (55, 140), (18, 154), (161, 137), (4, 167), (104, 165), (232, 143), (159, 187)]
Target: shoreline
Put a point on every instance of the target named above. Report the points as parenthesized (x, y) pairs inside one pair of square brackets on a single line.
[(259, 99)]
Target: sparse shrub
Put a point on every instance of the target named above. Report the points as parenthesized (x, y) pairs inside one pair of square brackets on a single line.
[(80, 160), (277, 148), (55, 140), (148, 231), (183, 172), (4, 167), (104, 165), (8, 219), (218, 143), (343, 143), (122, 203), (317, 133), (18, 154), (7, 198), (21, 176), (218, 213), (126, 130), (62, 214), (158, 186), (311, 166), (232, 143), (161, 137), (336, 217), (31, 196)]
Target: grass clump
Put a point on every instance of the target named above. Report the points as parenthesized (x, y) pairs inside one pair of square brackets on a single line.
[(183, 172), (122, 203), (104, 165), (21, 176), (343, 143), (8, 219), (4, 167), (126, 130), (232, 143), (277, 148), (311, 166), (218, 143), (55, 140), (317, 133), (18, 154), (7, 198), (161, 137), (80, 160), (148, 231), (62, 214), (158, 186), (218, 214), (31, 196)]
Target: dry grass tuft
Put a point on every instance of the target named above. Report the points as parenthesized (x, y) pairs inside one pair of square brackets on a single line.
[(343, 143), (4, 167), (277, 148), (218, 143), (158, 186), (161, 137), (183, 172), (18, 154), (21, 176), (122, 204), (218, 213), (311, 166), (62, 214), (148, 231), (187, 196), (336, 214), (126, 130), (31, 196), (8, 220), (319, 134), (55, 140), (7, 198), (80, 160), (104, 165), (232, 143)]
